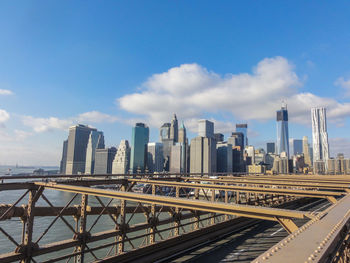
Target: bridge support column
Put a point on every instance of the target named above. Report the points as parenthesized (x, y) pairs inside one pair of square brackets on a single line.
[(177, 217), (197, 217), (212, 220), (226, 201), (152, 230), (121, 238), (82, 229), (27, 244)]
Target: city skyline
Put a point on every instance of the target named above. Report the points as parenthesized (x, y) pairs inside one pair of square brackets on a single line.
[(59, 69)]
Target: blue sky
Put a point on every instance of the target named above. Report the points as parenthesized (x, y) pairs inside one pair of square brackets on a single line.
[(111, 63)]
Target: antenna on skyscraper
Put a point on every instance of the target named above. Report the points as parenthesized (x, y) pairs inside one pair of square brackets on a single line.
[(284, 104)]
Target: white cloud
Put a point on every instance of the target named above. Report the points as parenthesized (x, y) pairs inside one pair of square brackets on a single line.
[(46, 124), (54, 123), (16, 135), (96, 117), (5, 92), (192, 91), (344, 84), (4, 116)]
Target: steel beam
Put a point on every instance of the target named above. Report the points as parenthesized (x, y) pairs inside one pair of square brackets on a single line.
[(292, 192), (214, 207), (313, 185)]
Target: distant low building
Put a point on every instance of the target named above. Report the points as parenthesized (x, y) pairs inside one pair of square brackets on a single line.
[(256, 169)]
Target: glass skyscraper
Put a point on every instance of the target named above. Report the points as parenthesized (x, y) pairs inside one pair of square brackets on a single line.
[(282, 131), (139, 141), (319, 134), (243, 128)]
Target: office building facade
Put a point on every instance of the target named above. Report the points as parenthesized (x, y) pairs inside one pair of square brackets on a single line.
[(155, 157), (203, 155), (104, 160), (297, 146), (243, 128), (206, 128), (96, 141), (270, 147), (78, 139), (224, 161), (174, 129), (306, 152), (64, 157), (139, 141)]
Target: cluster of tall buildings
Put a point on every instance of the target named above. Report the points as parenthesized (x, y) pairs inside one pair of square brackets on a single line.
[(84, 151)]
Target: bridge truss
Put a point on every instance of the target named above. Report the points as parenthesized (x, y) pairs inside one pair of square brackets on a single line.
[(106, 218)]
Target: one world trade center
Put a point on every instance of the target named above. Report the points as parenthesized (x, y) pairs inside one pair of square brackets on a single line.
[(282, 131)]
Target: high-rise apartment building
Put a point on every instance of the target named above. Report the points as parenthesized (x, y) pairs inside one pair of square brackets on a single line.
[(306, 152), (139, 140), (104, 160), (297, 146), (76, 151), (96, 141), (319, 135), (282, 131), (270, 147), (64, 157), (121, 162), (243, 128), (174, 131), (206, 128), (155, 157)]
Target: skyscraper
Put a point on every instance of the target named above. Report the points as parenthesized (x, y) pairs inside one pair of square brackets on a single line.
[(155, 157), (270, 147), (165, 131), (182, 133), (184, 148), (174, 129), (64, 157), (206, 128), (139, 140), (224, 157), (319, 135), (121, 162), (103, 160), (203, 155), (297, 146), (96, 141), (306, 152), (282, 131), (76, 151), (237, 139), (243, 128), (219, 137)]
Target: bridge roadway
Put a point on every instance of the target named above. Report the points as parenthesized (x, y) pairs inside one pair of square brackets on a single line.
[(243, 244)]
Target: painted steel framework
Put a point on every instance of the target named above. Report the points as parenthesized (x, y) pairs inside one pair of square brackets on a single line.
[(170, 217)]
